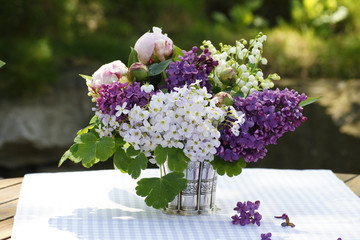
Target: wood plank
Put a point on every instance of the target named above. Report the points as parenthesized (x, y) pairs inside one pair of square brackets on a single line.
[(7, 210), (10, 193), (345, 176), (10, 181), (354, 185), (6, 228)]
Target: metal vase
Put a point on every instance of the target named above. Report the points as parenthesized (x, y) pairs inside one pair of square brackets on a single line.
[(199, 196)]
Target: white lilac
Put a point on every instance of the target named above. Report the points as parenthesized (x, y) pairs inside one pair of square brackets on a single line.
[(185, 118), (244, 61)]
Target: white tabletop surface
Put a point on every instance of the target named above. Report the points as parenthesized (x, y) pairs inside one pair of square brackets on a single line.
[(103, 205)]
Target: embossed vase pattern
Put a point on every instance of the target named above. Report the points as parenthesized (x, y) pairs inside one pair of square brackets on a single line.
[(199, 196)]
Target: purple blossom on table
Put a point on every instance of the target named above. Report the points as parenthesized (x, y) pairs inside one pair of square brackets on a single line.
[(268, 115), (190, 68), (266, 236), (283, 216), (116, 94), (247, 213)]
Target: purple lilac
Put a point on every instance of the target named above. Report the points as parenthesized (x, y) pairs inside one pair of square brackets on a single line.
[(190, 68), (266, 236), (117, 93), (247, 213), (268, 115)]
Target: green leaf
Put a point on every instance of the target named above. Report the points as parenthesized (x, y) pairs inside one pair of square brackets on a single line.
[(308, 101), (86, 77), (130, 151), (64, 157), (157, 68), (92, 149), (136, 165), (160, 191), (230, 168), (132, 57), (177, 52), (2, 63), (94, 119), (86, 129), (160, 157), (121, 160), (177, 160), (68, 155)]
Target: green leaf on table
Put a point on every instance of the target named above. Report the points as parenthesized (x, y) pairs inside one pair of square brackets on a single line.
[(2, 63), (121, 160), (133, 57), (157, 68), (177, 52), (177, 160), (230, 168), (92, 149), (136, 165), (308, 101), (160, 191)]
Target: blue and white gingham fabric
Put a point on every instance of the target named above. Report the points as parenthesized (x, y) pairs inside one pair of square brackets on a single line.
[(103, 205)]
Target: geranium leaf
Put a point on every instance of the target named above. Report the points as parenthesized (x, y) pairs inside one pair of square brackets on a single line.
[(121, 160), (157, 68), (230, 168), (308, 101), (94, 119), (160, 155), (160, 191), (130, 151), (177, 160), (133, 57), (92, 149), (136, 165), (86, 129)]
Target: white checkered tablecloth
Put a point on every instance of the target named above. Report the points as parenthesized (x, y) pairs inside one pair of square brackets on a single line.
[(103, 205)]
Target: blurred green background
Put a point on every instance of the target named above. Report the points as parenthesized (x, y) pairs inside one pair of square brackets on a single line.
[(313, 44)]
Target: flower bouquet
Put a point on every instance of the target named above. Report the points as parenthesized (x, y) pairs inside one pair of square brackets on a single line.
[(174, 108)]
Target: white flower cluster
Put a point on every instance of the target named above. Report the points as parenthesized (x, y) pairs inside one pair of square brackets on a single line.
[(244, 61), (185, 118)]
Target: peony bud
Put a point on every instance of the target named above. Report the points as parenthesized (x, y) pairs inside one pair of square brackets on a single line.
[(224, 99), (154, 47), (228, 76), (138, 72)]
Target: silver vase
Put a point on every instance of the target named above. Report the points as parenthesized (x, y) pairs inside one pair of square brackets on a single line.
[(199, 196)]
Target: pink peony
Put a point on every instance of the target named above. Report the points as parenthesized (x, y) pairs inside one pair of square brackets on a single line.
[(109, 73), (154, 47)]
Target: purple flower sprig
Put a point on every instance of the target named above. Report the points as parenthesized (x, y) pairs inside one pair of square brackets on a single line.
[(116, 94), (266, 236), (287, 220), (268, 115), (190, 68), (247, 213)]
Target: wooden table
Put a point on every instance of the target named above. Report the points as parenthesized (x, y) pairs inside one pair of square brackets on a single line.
[(10, 190)]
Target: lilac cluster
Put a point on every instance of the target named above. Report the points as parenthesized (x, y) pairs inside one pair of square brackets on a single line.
[(266, 236), (190, 68), (268, 115), (247, 213), (117, 93)]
